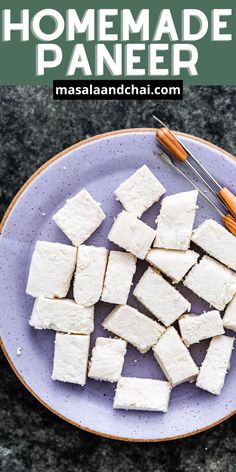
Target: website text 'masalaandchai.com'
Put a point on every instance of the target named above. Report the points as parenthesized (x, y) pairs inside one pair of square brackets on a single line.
[(79, 89)]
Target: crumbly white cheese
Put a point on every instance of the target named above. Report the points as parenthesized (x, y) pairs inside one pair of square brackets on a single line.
[(212, 281), (194, 328), (89, 274), (174, 264), (71, 358), (217, 241), (107, 359), (142, 394), (132, 234), (229, 320), (140, 191), (51, 270), (160, 297), (175, 221), (136, 328), (62, 315), (79, 217), (119, 274), (174, 358), (215, 365)]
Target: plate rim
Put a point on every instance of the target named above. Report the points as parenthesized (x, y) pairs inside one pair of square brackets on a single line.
[(3, 222)]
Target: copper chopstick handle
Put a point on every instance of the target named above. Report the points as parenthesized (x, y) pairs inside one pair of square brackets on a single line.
[(169, 141), (230, 223), (229, 199)]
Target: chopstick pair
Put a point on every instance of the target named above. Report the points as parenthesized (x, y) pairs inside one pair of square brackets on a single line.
[(176, 149)]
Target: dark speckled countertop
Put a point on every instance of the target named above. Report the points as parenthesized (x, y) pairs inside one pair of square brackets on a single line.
[(33, 128)]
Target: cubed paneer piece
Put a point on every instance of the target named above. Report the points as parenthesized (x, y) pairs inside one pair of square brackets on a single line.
[(71, 358), (142, 394), (160, 297), (140, 191), (174, 264), (51, 270), (79, 217), (216, 241), (107, 359), (174, 358), (195, 328), (229, 320), (136, 328), (215, 365), (212, 281), (175, 221), (132, 234), (62, 315), (119, 274), (89, 274)]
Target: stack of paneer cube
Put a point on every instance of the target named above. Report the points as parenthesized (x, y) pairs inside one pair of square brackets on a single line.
[(99, 274)]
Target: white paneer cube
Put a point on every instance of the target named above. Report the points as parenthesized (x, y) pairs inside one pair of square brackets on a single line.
[(71, 358), (174, 264), (140, 191), (119, 274), (132, 234), (215, 365), (160, 297), (51, 270), (79, 217), (175, 221), (136, 328), (195, 328), (216, 241), (89, 274), (62, 315), (174, 358), (229, 320), (142, 394), (107, 359), (212, 281)]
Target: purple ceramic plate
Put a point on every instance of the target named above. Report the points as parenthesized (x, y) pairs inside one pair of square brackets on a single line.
[(100, 164)]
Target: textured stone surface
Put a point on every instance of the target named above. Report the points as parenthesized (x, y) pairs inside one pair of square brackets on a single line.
[(32, 129)]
